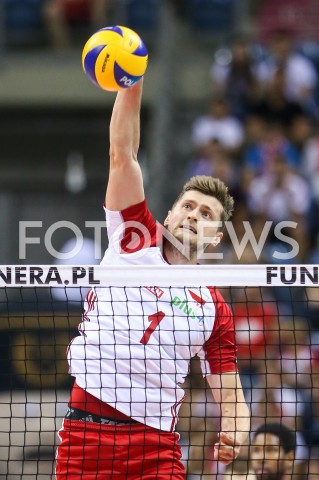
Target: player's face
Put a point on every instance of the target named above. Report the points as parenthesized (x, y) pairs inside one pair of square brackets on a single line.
[(194, 219), (268, 459)]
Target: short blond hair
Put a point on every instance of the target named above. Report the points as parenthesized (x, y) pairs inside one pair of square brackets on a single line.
[(214, 187)]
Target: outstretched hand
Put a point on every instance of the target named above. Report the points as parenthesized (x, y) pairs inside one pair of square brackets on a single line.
[(226, 449)]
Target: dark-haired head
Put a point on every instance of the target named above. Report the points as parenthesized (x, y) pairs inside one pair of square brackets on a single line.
[(272, 452), (287, 437)]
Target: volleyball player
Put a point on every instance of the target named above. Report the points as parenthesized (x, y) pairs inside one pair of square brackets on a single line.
[(135, 344), (272, 452)]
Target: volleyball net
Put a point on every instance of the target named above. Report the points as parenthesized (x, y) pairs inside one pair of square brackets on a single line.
[(276, 320)]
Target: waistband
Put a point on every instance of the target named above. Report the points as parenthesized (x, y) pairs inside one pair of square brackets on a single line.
[(82, 416), (82, 400)]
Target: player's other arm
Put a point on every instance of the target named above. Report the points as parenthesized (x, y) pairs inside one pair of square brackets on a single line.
[(235, 416), (125, 184)]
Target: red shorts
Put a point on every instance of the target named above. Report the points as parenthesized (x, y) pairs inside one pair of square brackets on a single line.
[(90, 451)]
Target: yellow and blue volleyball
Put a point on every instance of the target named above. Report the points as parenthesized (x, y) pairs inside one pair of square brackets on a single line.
[(114, 58)]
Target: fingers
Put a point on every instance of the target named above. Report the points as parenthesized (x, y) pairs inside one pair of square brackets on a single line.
[(227, 449), (137, 87), (228, 439), (225, 453)]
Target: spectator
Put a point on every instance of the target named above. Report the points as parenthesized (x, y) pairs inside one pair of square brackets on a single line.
[(299, 72), (219, 125), (272, 452), (280, 196), (274, 105), (61, 15), (259, 155), (299, 132), (215, 162), (233, 73)]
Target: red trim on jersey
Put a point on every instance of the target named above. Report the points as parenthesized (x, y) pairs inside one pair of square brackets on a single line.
[(220, 348), (85, 401), (143, 234), (174, 413), (90, 298), (199, 300), (90, 301)]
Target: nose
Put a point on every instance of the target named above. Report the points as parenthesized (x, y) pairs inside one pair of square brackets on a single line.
[(259, 456), (193, 214)]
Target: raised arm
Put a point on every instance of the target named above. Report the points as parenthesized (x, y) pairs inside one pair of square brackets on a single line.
[(125, 184), (235, 417)]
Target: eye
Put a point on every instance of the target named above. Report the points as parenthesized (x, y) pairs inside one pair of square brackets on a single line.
[(272, 449), (207, 215), (187, 205)]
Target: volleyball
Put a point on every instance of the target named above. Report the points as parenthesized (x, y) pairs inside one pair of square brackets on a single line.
[(114, 58)]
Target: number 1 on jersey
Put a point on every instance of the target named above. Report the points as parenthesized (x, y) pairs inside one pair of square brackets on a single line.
[(155, 320)]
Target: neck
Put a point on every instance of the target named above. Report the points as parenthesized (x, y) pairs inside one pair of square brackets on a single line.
[(176, 257)]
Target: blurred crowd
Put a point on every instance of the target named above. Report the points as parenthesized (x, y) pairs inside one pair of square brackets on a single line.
[(259, 133)]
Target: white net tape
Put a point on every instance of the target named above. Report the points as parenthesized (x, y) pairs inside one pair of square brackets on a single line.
[(165, 276)]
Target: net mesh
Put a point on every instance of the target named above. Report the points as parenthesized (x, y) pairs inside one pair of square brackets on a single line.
[(275, 312)]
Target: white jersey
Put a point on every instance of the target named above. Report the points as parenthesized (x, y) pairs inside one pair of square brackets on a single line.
[(136, 343)]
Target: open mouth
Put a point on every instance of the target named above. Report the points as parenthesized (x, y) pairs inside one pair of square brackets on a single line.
[(189, 228)]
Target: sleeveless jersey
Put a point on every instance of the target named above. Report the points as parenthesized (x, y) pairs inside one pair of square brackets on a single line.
[(136, 343)]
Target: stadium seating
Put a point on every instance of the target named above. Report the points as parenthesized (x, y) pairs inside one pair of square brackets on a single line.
[(217, 15), (23, 21)]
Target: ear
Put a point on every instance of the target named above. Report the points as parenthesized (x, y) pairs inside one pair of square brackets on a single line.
[(167, 219), (217, 239)]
